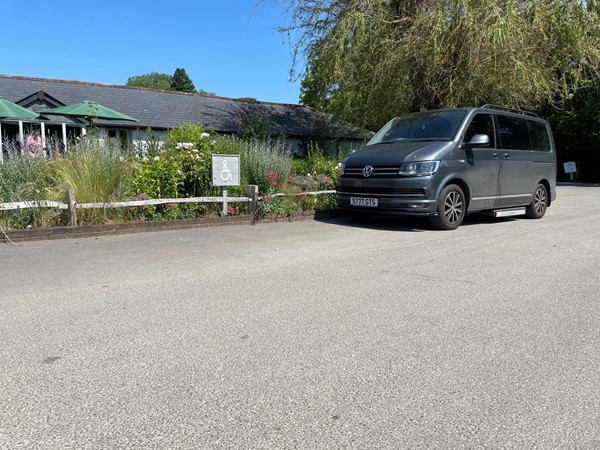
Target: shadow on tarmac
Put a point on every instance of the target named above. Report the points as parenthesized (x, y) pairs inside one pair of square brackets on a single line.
[(403, 224)]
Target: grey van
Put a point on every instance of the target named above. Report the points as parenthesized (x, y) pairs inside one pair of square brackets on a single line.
[(444, 164)]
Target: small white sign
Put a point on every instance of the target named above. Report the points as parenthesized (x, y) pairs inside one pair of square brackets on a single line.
[(570, 167), (225, 170)]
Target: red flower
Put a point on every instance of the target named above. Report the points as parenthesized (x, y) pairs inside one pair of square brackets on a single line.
[(271, 175)]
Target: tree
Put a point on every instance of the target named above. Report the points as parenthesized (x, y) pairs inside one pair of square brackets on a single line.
[(315, 90), (373, 59), (254, 120), (181, 81), (153, 80)]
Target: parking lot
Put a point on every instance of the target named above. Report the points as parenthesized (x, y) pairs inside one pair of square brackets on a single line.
[(320, 334)]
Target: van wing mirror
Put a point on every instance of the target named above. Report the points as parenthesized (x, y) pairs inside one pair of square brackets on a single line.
[(479, 140)]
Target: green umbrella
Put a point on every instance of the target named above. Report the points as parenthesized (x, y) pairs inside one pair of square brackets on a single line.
[(12, 110), (88, 110)]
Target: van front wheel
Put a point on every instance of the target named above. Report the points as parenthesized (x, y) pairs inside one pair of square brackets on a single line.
[(451, 208), (539, 203)]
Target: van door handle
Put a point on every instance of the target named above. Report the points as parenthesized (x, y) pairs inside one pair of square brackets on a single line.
[(507, 155), (495, 155)]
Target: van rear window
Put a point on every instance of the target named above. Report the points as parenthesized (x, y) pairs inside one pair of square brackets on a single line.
[(539, 136)]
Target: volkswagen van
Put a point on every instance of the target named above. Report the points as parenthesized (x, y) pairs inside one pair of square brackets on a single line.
[(445, 164)]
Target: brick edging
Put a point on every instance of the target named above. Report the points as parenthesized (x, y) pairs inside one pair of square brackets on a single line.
[(39, 234)]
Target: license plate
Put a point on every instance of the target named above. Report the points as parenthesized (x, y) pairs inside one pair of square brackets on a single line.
[(363, 201)]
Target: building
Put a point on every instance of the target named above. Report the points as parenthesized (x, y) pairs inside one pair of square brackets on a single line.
[(160, 111)]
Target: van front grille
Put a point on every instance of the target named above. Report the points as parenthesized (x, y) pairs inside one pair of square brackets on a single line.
[(383, 170)]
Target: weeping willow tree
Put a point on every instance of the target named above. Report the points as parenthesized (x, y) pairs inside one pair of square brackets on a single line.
[(368, 60)]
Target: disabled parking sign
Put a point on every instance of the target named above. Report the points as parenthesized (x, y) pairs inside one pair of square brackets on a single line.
[(225, 170)]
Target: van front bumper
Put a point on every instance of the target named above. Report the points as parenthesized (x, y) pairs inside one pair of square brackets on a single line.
[(412, 198), (391, 206)]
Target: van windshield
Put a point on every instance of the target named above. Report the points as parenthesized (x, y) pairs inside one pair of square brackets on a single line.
[(423, 126)]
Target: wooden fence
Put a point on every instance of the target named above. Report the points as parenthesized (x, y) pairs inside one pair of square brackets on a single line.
[(71, 206)]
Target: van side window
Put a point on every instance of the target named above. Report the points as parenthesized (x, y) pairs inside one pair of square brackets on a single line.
[(481, 124), (514, 133), (539, 136)]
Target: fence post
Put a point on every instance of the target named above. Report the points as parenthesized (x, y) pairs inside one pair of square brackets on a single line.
[(72, 211), (253, 201), (224, 193)]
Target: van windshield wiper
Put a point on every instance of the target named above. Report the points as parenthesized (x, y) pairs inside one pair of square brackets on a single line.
[(444, 139), (391, 141)]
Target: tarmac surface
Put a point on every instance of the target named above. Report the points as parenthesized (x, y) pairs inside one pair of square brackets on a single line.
[(316, 334)]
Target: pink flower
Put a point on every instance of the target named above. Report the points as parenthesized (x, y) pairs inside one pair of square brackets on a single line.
[(271, 175)]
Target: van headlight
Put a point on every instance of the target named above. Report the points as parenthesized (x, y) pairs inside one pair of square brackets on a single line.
[(419, 169), (342, 168)]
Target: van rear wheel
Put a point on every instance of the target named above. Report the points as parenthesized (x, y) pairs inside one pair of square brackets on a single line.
[(539, 203), (451, 208)]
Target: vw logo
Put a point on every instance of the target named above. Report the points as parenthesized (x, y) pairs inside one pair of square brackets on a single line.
[(367, 171)]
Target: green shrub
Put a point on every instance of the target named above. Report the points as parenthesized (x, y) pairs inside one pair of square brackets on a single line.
[(322, 168), (94, 169), (23, 179), (186, 133), (254, 122), (179, 169), (269, 164), (325, 201), (158, 177), (182, 168), (192, 147)]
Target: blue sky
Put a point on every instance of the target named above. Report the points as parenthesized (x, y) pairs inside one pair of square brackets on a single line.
[(228, 47)]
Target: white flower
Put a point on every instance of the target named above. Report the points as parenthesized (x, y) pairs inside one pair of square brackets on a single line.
[(204, 135), (156, 158), (195, 150)]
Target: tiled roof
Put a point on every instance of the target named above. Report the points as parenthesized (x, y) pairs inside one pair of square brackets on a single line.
[(166, 109)]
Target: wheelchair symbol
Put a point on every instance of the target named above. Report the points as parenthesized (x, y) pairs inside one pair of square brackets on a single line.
[(225, 173)]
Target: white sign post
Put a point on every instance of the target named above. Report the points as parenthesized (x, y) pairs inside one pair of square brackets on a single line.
[(225, 172), (570, 168)]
